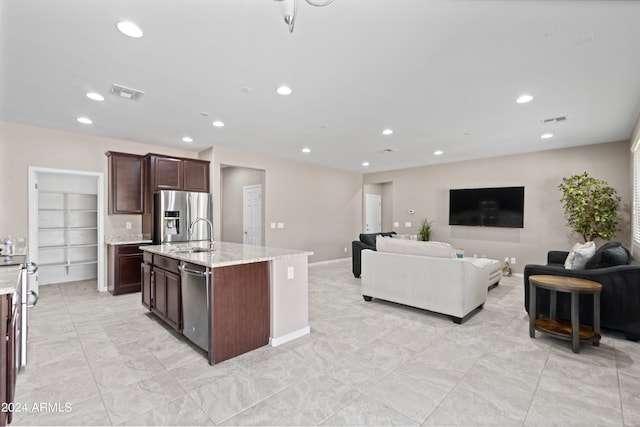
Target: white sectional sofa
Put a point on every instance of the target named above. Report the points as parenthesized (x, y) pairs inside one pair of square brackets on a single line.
[(425, 275)]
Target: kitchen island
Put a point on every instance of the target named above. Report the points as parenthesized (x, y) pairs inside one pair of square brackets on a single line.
[(228, 300)]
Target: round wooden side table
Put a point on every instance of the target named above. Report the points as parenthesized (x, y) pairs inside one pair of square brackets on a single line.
[(562, 328)]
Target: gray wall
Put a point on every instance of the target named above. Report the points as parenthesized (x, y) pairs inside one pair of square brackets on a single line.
[(321, 208), (426, 190)]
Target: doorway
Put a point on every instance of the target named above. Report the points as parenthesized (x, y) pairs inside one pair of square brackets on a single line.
[(233, 181), (66, 221), (252, 214), (373, 213)]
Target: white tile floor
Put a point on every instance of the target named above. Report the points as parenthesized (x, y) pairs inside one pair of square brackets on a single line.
[(96, 359)]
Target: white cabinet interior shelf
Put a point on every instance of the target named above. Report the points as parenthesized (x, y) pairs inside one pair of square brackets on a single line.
[(67, 236)]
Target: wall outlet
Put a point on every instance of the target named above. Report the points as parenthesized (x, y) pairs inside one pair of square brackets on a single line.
[(345, 249), (127, 225), (513, 260), (506, 259), (281, 225), (290, 272), (396, 224), (273, 225), (407, 224)]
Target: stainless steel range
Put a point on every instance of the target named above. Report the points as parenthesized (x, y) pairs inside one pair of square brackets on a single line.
[(25, 297)]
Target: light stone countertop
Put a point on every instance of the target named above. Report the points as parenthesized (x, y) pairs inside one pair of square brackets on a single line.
[(224, 253), (130, 239)]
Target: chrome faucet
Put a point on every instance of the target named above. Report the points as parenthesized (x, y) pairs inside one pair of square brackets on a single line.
[(194, 222)]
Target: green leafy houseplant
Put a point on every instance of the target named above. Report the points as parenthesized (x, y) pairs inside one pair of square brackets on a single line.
[(425, 231), (590, 206)]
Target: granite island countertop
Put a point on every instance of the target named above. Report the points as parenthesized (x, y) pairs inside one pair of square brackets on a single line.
[(128, 239), (224, 253)]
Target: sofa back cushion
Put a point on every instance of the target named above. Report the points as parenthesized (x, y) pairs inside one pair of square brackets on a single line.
[(415, 247), (609, 255), (369, 239)]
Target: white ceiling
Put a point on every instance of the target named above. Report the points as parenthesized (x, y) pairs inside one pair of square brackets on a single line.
[(442, 74)]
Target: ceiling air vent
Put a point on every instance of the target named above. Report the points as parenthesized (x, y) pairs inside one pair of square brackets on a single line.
[(554, 120), (126, 92)]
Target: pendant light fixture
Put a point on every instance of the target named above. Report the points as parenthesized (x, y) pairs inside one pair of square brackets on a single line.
[(288, 8)]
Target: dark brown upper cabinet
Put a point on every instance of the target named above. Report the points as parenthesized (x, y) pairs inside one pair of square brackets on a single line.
[(126, 183), (165, 173), (196, 175), (174, 173)]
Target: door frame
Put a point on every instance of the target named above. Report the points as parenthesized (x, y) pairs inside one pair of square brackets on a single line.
[(33, 219)]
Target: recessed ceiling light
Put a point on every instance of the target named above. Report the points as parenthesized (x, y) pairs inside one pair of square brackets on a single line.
[(187, 139), (546, 135), (306, 150), (218, 124), (365, 164), (524, 99), (84, 120), (438, 153), (130, 29), (95, 96), (284, 90), (387, 132)]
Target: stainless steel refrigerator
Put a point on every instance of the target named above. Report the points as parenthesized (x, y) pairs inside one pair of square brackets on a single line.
[(175, 211)]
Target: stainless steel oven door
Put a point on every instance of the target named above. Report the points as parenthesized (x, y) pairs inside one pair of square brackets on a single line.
[(28, 299)]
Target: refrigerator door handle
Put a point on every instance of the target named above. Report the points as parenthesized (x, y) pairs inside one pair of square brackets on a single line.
[(32, 267), (35, 301)]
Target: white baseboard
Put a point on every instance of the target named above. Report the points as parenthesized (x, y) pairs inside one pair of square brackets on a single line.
[(274, 342)]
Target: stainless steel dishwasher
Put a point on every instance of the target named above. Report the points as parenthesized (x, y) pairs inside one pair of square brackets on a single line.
[(196, 317)]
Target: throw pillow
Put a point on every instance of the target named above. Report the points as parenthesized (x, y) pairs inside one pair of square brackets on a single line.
[(615, 256), (580, 255), (609, 255)]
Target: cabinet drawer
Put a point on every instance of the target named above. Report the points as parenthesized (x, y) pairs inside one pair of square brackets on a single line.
[(128, 249), (166, 263)]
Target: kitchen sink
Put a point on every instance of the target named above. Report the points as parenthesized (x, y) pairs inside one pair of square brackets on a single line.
[(191, 250)]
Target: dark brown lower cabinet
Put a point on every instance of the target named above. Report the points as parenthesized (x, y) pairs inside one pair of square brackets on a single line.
[(145, 271), (9, 333), (124, 268), (161, 289), (240, 319)]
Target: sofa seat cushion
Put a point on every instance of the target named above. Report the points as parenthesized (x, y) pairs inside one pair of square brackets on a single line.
[(415, 247)]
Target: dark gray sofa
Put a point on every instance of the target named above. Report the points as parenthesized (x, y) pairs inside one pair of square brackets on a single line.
[(367, 241), (617, 271)]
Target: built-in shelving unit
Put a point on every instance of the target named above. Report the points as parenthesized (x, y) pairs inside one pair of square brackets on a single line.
[(67, 236)]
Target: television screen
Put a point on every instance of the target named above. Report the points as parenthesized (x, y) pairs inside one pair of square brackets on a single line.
[(487, 207)]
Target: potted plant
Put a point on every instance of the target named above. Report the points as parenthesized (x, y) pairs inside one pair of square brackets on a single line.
[(591, 207), (425, 231)]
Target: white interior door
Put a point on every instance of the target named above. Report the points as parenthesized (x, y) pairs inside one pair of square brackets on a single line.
[(252, 214), (373, 213)]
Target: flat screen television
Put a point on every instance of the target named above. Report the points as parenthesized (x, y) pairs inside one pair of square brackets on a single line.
[(487, 207)]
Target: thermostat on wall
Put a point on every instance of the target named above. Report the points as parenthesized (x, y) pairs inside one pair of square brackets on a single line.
[(411, 211)]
